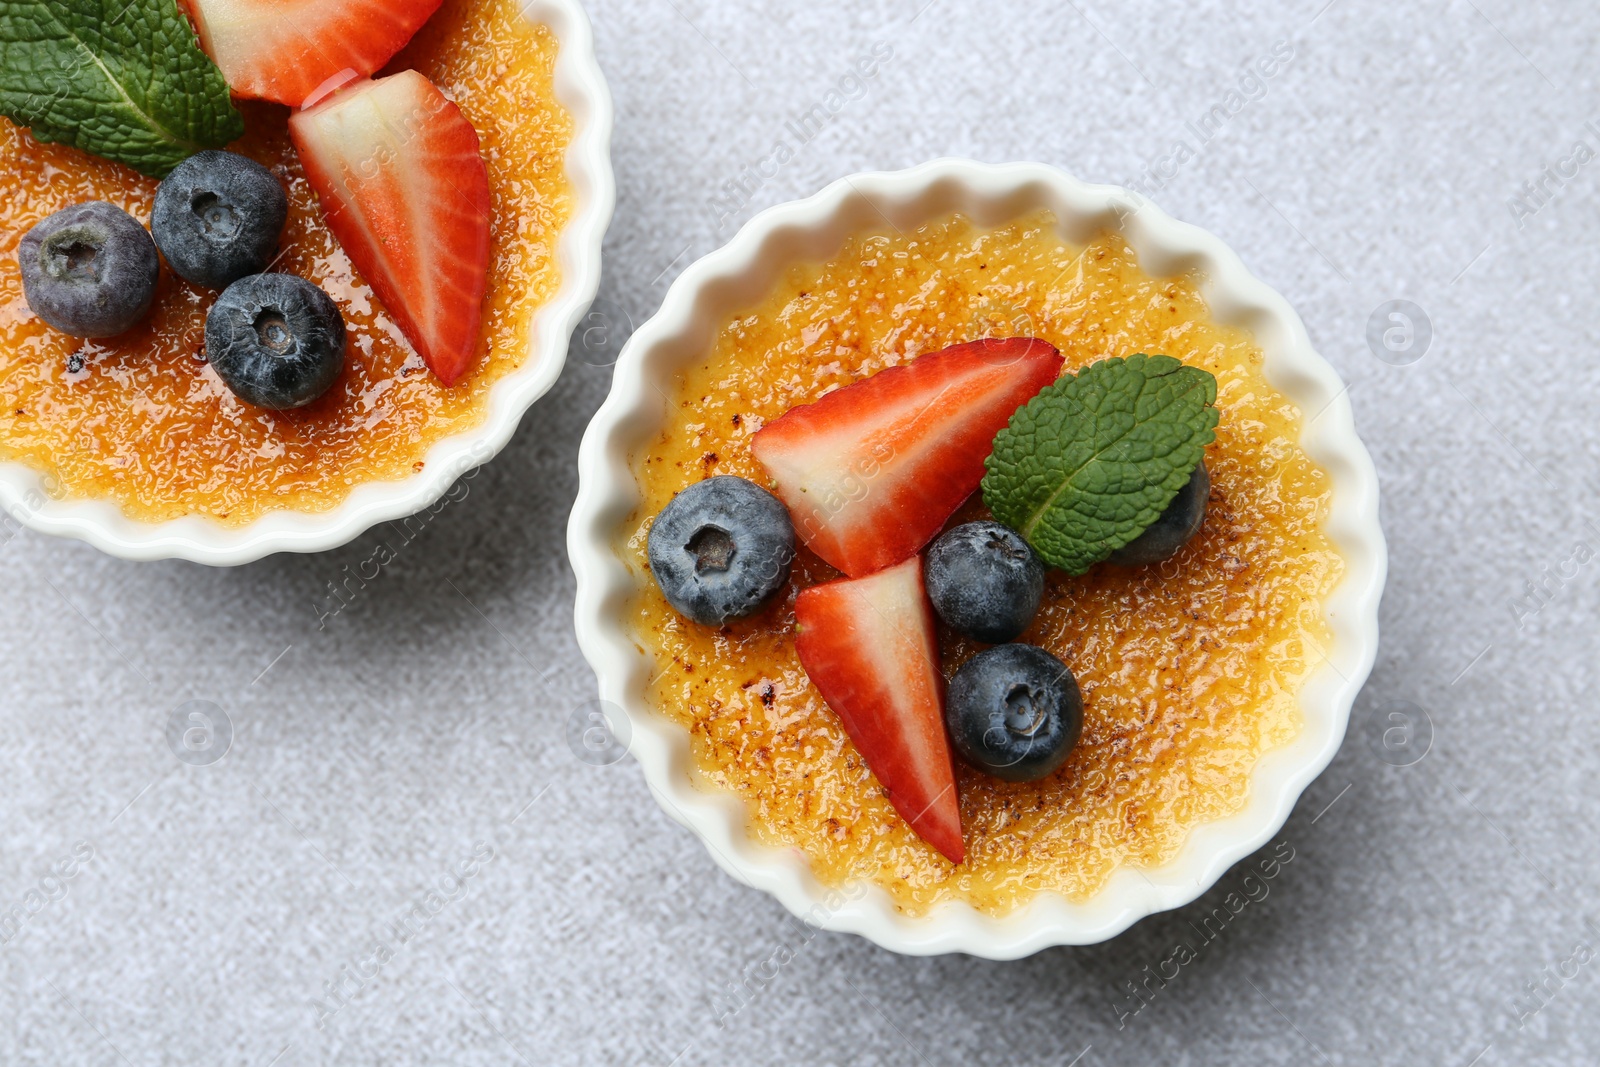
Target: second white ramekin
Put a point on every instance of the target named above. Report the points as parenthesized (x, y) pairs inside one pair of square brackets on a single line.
[(581, 88), (746, 269)]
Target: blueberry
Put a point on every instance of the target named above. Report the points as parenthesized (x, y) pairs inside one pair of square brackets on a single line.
[(1162, 539), (720, 548), (217, 218), (276, 340), (1014, 711), (89, 270), (984, 581)]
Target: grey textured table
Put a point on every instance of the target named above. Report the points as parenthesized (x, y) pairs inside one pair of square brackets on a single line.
[(1440, 911)]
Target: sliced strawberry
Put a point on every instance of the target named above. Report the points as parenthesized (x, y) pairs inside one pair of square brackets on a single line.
[(871, 472), (285, 50), (868, 645), (396, 167)]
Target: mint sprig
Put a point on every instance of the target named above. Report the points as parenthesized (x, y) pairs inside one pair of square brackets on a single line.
[(1095, 458), (124, 80)]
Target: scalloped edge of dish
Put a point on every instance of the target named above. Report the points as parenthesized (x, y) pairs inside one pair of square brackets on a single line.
[(814, 229), (580, 87)]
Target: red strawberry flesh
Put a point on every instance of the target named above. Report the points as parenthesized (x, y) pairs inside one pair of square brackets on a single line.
[(397, 170), (284, 50), (868, 645), (871, 471)]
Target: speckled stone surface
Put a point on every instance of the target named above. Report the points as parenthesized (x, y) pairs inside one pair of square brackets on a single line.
[(414, 741)]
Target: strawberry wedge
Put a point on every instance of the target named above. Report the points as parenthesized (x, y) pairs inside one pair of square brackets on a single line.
[(288, 50), (396, 167), (871, 472), (868, 646)]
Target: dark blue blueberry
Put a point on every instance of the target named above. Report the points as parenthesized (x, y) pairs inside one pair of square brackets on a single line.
[(1181, 521), (984, 581), (276, 340), (217, 218), (720, 548), (89, 270), (1014, 711)]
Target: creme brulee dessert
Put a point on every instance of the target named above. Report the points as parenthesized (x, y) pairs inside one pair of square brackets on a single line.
[(1186, 670), (143, 419)]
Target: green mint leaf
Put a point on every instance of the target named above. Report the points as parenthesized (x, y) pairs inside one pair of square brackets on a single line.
[(1091, 461), (124, 80)]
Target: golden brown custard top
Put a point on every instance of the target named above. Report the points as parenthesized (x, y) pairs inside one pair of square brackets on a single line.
[(143, 420), (1189, 669)]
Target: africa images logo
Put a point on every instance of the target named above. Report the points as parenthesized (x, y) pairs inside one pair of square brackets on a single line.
[(1135, 993), (1250, 86)]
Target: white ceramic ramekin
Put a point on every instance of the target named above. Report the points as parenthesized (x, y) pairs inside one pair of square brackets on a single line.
[(581, 89), (735, 276)]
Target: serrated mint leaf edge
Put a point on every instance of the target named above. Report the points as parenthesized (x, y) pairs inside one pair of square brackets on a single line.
[(999, 500), (174, 59), (1033, 521)]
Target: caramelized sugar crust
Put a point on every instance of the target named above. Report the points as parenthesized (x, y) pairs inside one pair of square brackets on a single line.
[(142, 420), (1189, 669)]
